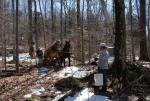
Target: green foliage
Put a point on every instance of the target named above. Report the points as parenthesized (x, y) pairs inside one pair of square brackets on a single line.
[(69, 82), (30, 99)]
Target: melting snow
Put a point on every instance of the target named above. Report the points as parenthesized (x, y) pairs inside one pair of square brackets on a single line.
[(73, 71), (36, 91), (85, 95), (22, 57)]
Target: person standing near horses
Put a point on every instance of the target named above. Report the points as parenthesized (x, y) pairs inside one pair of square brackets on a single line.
[(103, 64), (39, 55)]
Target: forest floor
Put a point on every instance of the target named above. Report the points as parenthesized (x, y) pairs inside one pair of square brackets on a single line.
[(29, 83)]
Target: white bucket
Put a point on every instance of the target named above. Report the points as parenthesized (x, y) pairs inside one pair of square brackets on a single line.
[(98, 79)]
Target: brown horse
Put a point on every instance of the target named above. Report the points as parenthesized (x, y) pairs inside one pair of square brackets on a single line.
[(52, 52)]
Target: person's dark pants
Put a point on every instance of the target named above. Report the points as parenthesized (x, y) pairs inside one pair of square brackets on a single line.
[(104, 72)]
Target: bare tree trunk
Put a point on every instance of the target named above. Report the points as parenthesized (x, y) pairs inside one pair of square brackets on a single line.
[(52, 19), (148, 25), (43, 22), (82, 34), (89, 35), (13, 15), (30, 35), (120, 37), (78, 13), (137, 9), (132, 37), (142, 25), (35, 24), (17, 49), (61, 20)]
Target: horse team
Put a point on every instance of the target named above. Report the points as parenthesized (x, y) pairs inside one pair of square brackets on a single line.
[(56, 54)]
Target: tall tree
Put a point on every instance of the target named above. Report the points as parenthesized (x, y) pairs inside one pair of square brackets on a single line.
[(61, 21), (30, 35), (142, 27), (148, 25), (82, 34), (88, 27), (78, 13), (120, 36), (52, 19), (43, 23), (131, 32), (1, 21), (17, 49), (35, 24), (137, 9), (13, 15)]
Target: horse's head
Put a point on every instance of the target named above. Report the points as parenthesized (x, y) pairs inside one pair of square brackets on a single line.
[(67, 45), (58, 44)]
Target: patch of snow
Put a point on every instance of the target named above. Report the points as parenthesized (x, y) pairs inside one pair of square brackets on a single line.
[(22, 57), (85, 95), (9, 58), (42, 71), (28, 96), (58, 97), (137, 58), (36, 91), (148, 98), (133, 98), (72, 71)]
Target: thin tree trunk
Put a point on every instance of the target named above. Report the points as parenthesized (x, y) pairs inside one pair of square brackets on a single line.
[(143, 45), (17, 49), (88, 28), (82, 34), (78, 13), (137, 9), (131, 24), (148, 24), (13, 15), (30, 35), (43, 22), (61, 21), (52, 19), (35, 25)]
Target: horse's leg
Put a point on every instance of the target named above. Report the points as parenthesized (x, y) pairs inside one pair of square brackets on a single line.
[(64, 62), (69, 61)]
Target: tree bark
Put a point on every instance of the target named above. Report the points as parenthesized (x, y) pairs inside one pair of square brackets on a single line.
[(137, 9), (148, 25), (17, 48), (52, 19), (131, 32), (61, 21), (35, 24), (43, 22), (78, 13), (88, 28), (120, 37), (82, 34), (142, 27), (30, 35)]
